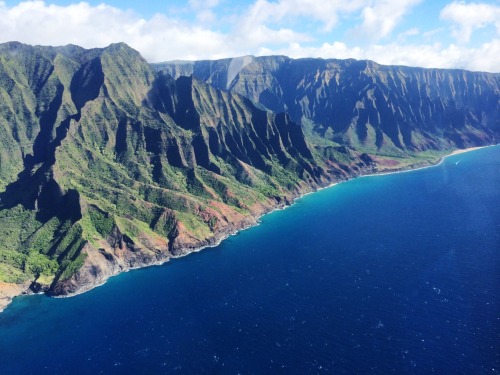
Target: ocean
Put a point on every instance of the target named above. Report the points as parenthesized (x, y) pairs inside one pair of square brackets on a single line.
[(390, 274)]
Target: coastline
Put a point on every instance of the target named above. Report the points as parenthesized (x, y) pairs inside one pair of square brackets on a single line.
[(441, 160), (461, 151), (9, 291)]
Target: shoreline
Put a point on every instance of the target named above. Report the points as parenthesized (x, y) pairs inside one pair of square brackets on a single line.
[(160, 262), (441, 160), (9, 291), (461, 151)]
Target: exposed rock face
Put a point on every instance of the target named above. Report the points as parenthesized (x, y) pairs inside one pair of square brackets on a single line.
[(10, 290), (107, 164), (363, 104)]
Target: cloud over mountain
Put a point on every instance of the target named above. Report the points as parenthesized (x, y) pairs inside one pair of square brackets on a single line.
[(380, 30)]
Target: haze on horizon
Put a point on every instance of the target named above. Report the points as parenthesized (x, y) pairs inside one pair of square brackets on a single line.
[(425, 33)]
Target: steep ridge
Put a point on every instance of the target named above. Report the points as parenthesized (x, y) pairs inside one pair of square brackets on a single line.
[(109, 163), (389, 110), (38, 231), (106, 165)]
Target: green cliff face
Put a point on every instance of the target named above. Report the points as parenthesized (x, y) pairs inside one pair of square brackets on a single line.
[(109, 163), (390, 110)]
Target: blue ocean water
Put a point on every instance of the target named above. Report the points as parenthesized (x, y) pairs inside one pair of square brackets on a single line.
[(385, 274)]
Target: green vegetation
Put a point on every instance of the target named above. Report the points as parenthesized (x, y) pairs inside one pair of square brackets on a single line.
[(97, 150), (137, 170), (23, 253), (70, 267), (101, 221)]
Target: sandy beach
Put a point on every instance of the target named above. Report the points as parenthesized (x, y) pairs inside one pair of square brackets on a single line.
[(461, 151)]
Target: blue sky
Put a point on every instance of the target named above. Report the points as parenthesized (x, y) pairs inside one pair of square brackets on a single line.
[(428, 33)]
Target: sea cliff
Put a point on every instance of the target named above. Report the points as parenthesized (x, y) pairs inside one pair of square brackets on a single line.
[(108, 163)]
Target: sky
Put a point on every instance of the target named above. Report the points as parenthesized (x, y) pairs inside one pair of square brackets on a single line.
[(425, 33)]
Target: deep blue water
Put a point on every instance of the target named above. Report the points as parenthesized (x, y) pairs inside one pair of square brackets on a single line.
[(385, 274)]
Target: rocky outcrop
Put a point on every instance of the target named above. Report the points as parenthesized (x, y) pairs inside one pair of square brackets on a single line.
[(10, 290)]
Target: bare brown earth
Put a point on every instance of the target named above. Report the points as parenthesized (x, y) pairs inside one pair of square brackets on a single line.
[(116, 255), (9, 291)]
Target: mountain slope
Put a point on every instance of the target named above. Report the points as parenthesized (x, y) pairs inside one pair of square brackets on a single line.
[(361, 104), (109, 163), (106, 165)]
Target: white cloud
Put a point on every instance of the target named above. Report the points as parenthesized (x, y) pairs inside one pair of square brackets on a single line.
[(411, 32), (162, 38), (483, 58), (325, 11), (433, 32), (159, 38), (203, 9), (468, 17), (203, 4), (381, 17), (251, 27), (402, 37), (206, 16), (35, 22)]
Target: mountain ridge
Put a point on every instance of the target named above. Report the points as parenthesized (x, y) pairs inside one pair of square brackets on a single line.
[(345, 100), (109, 163)]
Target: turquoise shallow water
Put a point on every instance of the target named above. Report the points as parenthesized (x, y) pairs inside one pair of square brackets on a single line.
[(384, 274)]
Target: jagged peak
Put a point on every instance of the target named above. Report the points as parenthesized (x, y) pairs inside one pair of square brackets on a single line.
[(12, 45), (120, 46), (69, 50), (349, 62)]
